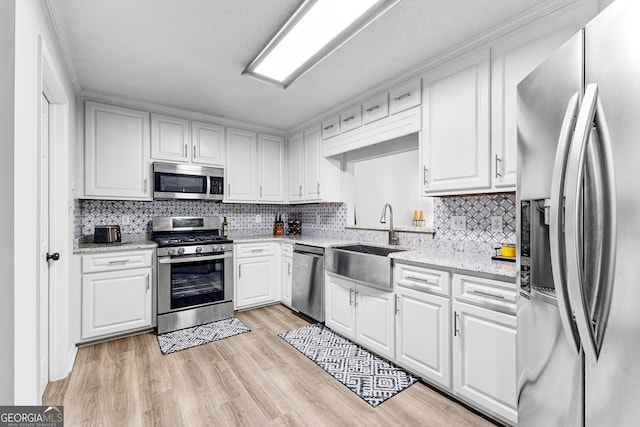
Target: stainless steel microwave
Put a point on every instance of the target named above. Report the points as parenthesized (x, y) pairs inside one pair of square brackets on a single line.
[(190, 182)]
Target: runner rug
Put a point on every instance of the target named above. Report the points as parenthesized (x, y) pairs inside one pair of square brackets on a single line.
[(182, 339)]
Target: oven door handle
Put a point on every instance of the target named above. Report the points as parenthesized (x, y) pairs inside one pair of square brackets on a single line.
[(169, 260)]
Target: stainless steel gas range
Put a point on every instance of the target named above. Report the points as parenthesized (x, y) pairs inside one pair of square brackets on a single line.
[(195, 272)]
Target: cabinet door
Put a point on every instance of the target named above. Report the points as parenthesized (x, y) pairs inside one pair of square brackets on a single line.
[(271, 168), (296, 168), (116, 152), (312, 164), (207, 144), (375, 320), (169, 138), (286, 274), (241, 171), (115, 301), (513, 60), (423, 335), (255, 281), (484, 358), (455, 140), (339, 305)]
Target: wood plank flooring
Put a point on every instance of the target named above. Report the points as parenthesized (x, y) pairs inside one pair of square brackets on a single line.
[(253, 379)]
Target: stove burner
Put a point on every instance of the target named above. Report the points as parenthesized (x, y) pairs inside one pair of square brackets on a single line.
[(176, 240)]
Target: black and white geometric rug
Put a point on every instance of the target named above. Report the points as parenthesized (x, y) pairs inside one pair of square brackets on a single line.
[(182, 339), (368, 376)]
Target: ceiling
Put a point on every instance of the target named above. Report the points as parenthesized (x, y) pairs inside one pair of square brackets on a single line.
[(189, 54)]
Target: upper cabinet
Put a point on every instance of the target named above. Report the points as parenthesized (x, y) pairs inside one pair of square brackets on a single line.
[(313, 177), (255, 167), (455, 127), (116, 153), (175, 139), (404, 96)]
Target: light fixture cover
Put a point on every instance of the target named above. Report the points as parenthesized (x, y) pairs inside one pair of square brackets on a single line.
[(314, 31)]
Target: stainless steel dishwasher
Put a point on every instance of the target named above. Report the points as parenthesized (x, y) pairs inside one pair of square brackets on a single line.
[(308, 281)]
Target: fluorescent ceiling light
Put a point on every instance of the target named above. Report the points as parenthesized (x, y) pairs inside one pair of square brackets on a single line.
[(315, 30)]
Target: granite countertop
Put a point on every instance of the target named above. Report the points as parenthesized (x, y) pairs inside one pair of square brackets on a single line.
[(322, 242), (129, 242)]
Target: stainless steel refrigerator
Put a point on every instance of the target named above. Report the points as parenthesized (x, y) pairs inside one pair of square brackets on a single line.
[(578, 342)]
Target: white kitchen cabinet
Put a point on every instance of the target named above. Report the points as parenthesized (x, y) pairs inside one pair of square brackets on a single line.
[(257, 278), (286, 274), (271, 167), (331, 127), (405, 95), (361, 313), (242, 165), (208, 144), (117, 152), (484, 344), (513, 59), (423, 332), (117, 293), (375, 108), (455, 145), (312, 177), (351, 118), (169, 138)]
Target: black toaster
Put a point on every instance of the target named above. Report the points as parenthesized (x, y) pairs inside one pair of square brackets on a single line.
[(107, 234)]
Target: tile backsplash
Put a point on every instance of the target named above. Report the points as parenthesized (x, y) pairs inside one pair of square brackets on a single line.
[(478, 210), (317, 218)]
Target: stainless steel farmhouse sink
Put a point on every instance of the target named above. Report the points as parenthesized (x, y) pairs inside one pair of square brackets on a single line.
[(364, 263)]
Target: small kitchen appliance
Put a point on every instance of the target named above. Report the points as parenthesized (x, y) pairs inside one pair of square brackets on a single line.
[(107, 234), (190, 182), (195, 272)]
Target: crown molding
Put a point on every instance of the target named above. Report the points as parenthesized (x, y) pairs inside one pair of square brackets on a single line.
[(56, 20)]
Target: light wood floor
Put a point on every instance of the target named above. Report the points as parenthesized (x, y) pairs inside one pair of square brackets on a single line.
[(253, 379)]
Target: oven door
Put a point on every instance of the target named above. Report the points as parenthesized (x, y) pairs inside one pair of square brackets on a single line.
[(194, 281)]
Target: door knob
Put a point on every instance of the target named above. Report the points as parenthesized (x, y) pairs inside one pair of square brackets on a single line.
[(54, 256)]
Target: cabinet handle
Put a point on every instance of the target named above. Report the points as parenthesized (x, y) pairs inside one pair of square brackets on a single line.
[(147, 282), (318, 189), (418, 279), (403, 96), (228, 189), (145, 185), (261, 191), (185, 150), (350, 297), (455, 324), (257, 250), (328, 127), (349, 119), (498, 166), (119, 261), (397, 304), (301, 191), (194, 151), (239, 270), (375, 107), (355, 298), (488, 294), (425, 176)]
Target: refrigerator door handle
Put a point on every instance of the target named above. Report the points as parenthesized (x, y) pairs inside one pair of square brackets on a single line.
[(556, 223), (591, 323)]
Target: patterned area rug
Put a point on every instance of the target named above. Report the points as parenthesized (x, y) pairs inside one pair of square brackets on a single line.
[(173, 341), (368, 376)]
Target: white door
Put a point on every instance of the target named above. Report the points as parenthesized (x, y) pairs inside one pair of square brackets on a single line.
[(241, 171), (312, 164), (375, 320), (340, 305), (254, 284), (271, 168), (296, 168), (207, 142), (169, 138), (43, 236)]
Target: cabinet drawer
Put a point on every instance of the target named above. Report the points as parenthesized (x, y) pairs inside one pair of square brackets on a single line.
[(375, 108), (492, 294), (287, 250), (351, 119), (116, 261), (246, 250), (330, 127), (405, 96), (422, 279)]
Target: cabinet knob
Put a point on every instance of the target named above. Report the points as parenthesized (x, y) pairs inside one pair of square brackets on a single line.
[(54, 256)]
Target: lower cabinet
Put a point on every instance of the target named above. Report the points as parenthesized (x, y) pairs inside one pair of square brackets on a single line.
[(286, 274), (116, 293), (257, 278), (361, 313), (484, 350)]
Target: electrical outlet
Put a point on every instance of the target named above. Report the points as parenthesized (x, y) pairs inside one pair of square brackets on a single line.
[(496, 223), (458, 222), (258, 219), (125, 220)]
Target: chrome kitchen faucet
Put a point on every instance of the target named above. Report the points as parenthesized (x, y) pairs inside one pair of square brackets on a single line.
[(393, 238)]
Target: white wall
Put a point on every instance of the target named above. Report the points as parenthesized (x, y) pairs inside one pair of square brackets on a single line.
[(7, 61), (31, 22)]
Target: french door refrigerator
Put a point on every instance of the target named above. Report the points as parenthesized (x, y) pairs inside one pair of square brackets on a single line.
[(578, 342)]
